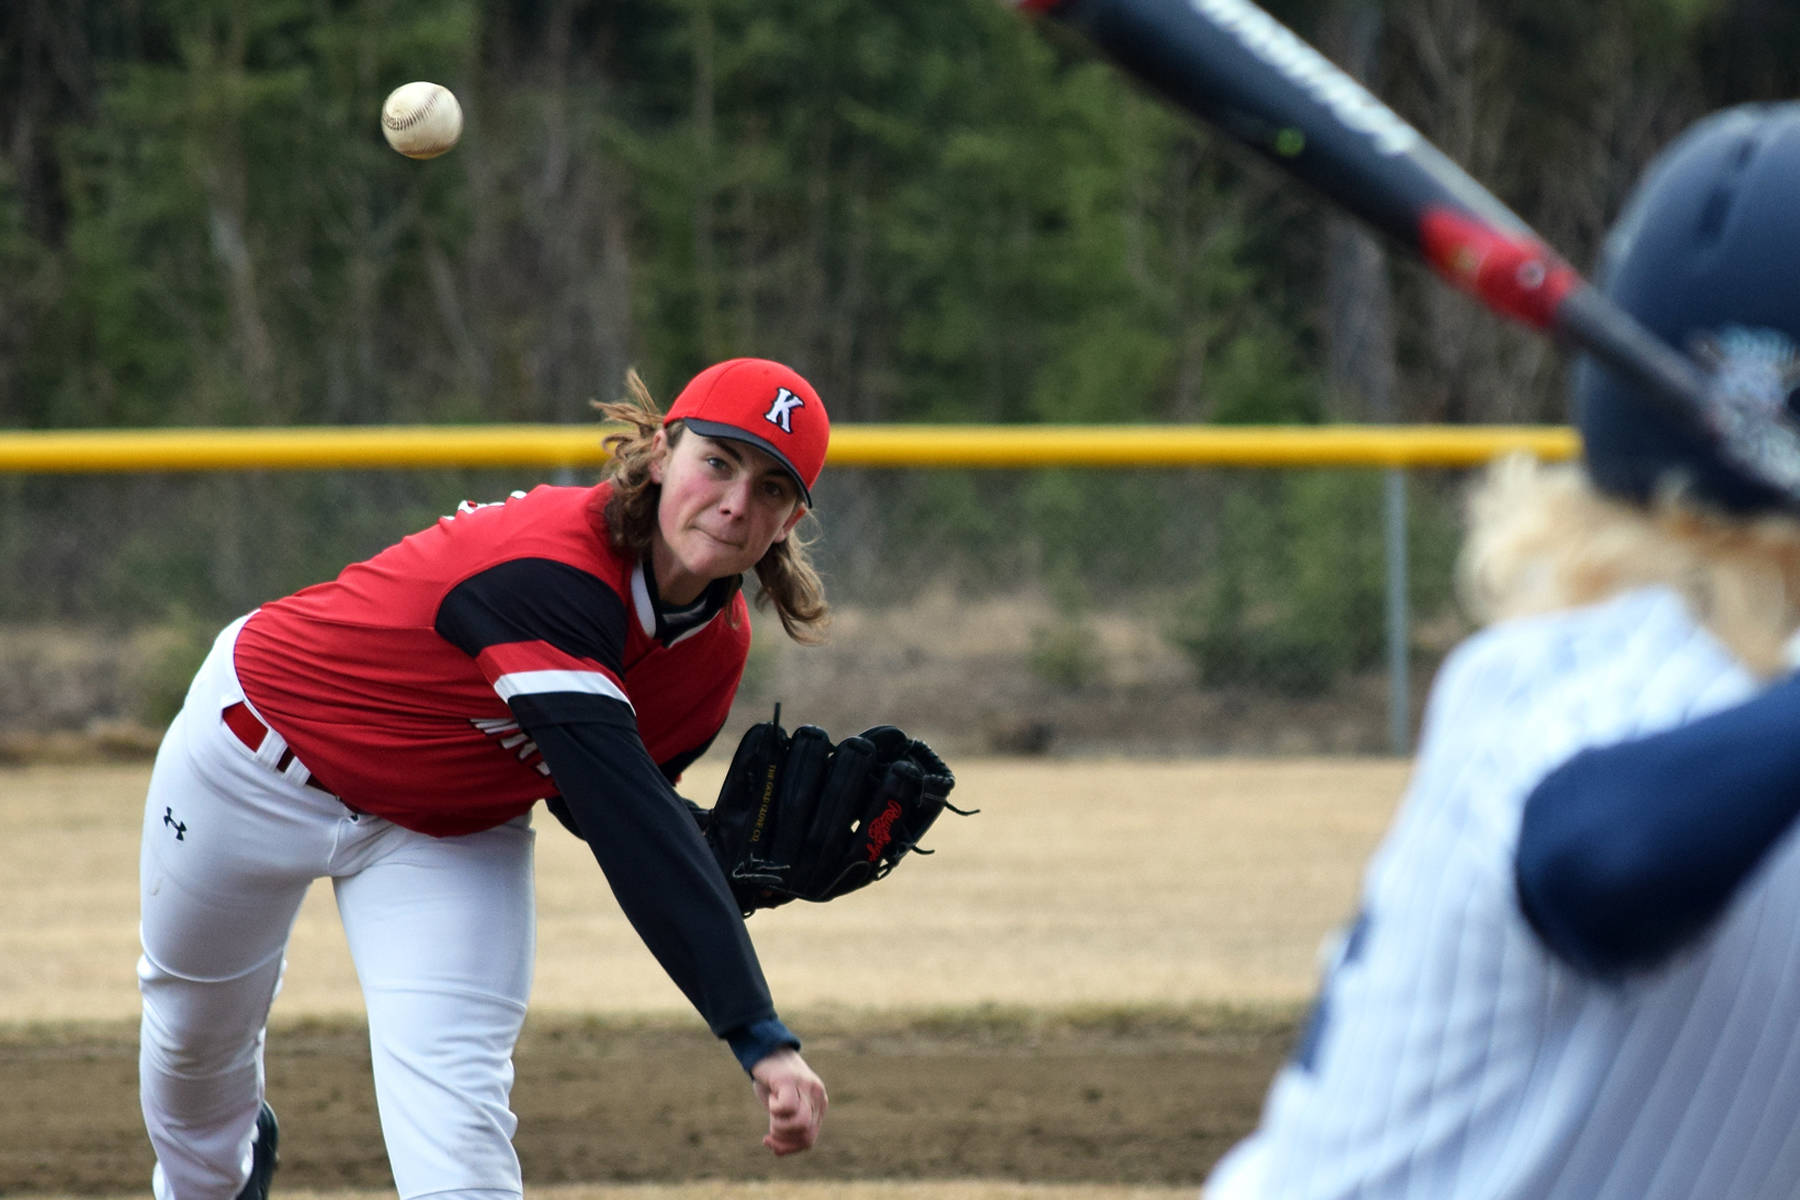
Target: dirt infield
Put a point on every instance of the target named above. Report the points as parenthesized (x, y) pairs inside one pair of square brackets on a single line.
[(1090, 983), (1155, 1103)]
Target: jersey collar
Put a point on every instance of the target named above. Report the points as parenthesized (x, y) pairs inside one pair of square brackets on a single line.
[(671, 627)]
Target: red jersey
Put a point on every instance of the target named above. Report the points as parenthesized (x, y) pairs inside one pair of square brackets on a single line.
[(402, 683)]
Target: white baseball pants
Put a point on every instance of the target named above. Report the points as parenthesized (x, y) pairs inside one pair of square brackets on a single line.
[(441, 930)]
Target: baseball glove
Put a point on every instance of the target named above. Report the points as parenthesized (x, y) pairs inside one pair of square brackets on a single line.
[(799, 818)]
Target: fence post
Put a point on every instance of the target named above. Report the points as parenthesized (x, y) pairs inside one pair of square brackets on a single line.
[(1399, 673)]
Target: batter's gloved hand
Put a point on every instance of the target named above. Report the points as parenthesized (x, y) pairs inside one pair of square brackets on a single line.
[(799, 818)]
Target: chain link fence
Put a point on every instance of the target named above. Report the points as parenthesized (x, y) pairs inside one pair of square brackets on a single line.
[(1172, 610)]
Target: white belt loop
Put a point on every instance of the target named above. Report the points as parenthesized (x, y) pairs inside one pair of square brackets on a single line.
[(296, 772), (270, 749), (273, 744)]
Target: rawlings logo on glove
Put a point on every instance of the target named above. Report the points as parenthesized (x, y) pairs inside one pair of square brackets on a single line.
[(799, 818)]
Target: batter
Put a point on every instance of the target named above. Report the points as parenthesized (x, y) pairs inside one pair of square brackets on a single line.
[(1576, 970)]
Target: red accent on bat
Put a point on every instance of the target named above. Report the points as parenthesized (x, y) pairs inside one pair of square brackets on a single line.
[(1037, 6), (1517, 276)]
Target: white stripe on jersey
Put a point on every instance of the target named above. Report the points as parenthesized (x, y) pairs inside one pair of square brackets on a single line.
[(1460, 1060), (531, 683)]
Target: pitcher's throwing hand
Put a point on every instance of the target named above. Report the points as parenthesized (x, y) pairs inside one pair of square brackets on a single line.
[(795, 1098)]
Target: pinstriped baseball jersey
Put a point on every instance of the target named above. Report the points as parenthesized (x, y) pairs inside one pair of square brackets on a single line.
[(1452, 1057), (395, 683)]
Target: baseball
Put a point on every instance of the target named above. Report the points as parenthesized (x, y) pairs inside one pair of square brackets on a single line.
[(421, 120)]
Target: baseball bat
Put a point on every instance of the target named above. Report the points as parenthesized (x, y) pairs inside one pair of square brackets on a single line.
[(1232, 65)]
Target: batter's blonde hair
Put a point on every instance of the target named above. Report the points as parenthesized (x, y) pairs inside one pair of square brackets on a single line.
[(789, 582), (1542, 538)]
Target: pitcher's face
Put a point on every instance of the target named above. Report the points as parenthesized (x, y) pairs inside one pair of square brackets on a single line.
[(724, 503)]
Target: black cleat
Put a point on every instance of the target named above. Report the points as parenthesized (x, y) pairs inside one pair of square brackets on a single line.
[(263, 1158)]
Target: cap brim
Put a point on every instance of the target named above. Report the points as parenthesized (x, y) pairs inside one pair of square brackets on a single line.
[(731, 433)]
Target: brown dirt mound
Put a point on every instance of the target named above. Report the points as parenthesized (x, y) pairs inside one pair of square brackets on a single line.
[(1132, 1101)]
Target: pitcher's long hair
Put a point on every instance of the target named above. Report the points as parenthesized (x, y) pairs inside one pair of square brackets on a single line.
[(789, 582), (1542, 537)]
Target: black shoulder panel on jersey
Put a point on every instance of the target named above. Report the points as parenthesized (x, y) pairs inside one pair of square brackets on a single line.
[(536, 599)]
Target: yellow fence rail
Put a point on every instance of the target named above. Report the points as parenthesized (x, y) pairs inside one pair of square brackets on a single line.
[(1008, 446)]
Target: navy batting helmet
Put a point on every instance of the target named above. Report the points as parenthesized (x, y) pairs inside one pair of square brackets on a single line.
[(1707, 255)]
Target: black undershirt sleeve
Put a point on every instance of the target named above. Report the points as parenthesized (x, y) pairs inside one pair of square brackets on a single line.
[(647, 843)]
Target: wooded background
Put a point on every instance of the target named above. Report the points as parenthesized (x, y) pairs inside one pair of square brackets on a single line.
[(936, 210)]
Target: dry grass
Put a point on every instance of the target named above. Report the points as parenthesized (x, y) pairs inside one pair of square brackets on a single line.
[(1083, 884)]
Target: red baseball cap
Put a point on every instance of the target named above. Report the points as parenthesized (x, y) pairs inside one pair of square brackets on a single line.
[(763, 404)]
